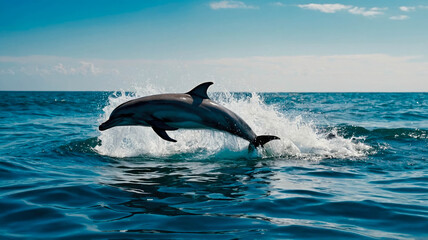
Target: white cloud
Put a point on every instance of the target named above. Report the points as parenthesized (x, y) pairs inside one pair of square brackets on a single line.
[(82, 68), (278, 4), (407, 8), (59, 68), (51, 65), (371, 12), (367, 72), (230, 5), (333, 8), (399, 17), (325, 8), (7, 72), (88, 68)]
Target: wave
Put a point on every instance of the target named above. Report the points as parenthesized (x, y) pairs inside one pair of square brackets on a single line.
[(383, 133), (80, 146), (300, 138)]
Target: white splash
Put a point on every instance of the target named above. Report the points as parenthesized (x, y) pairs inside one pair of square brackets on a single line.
[(299, 138)]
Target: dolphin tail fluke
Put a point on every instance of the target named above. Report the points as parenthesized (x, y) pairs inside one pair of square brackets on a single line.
[(260, 141)]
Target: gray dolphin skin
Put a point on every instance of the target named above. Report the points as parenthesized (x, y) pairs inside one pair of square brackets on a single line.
[(191, 110)]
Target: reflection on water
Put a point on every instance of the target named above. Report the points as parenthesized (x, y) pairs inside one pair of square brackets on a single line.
[(172, 182), (255, 198)]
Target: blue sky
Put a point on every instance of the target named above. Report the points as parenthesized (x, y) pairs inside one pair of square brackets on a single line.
[(284, 45)]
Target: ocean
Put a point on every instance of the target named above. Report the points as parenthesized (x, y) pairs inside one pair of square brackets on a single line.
[(61, 178)]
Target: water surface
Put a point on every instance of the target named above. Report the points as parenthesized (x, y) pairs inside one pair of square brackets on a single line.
[(62, 178)]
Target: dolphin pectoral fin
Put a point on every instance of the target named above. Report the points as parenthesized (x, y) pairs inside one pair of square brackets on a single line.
[(159, 127), (161, 133), (200, 90)]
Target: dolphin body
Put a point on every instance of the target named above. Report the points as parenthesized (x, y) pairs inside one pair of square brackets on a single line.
[(191, 110)]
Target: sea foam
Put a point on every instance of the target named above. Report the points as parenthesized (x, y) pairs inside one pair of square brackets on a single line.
[(300, 137)]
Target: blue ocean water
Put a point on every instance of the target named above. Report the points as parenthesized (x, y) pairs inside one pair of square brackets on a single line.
[(62, 178)]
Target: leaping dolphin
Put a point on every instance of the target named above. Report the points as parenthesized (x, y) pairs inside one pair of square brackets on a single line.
[(192, 110)]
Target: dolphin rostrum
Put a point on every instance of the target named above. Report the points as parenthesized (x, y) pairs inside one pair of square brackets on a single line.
[(192, 110)]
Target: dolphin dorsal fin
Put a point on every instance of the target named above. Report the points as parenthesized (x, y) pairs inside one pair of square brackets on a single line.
[(200, 90)]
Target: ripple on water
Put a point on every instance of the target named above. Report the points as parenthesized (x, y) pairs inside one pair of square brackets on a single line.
[(23, 220), (59, 179)]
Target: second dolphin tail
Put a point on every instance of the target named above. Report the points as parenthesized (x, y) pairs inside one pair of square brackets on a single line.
[(260, 141)]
